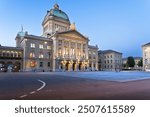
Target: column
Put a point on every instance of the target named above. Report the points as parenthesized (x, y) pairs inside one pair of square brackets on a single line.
[(69, 48), (77, 66), (54, 54), (76, 50), (87, 54), (81, 50), (64, 66), (70, 66), (63, 51)]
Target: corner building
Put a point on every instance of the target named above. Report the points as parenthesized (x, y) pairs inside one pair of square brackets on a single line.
[(60, 48)]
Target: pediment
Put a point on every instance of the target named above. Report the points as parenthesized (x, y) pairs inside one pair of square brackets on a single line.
[(73, 35)]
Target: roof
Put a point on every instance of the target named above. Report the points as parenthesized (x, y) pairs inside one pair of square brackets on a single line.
[(26, 35), (146, 44), (37, 37), (137, 57), (56, 12), (69, 31), (110, 51), (94, 47), (11, 48)]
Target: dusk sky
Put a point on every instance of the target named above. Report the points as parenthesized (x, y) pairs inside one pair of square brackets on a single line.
[(121, 25)]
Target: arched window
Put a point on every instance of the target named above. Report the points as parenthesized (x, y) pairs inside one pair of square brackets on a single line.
[(41, 55), (32, 55)]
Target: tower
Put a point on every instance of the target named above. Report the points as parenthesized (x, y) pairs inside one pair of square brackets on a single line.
[(55, 21)]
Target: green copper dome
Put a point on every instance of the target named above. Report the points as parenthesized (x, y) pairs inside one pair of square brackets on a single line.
[(57, 13)]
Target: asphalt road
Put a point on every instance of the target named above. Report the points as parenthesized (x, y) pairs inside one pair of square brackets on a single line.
[(50, 86)]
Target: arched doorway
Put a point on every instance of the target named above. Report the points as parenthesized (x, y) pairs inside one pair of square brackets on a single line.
[(67, 66), (9, 66), (17, 66), (74, 66), (86, 67), (80, 66)]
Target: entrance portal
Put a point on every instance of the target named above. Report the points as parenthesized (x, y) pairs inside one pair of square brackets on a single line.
[(67, 66), (74, 66), (80, 66)]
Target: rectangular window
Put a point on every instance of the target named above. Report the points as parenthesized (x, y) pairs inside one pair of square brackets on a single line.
[(48, 47), (41, 46), (41, 55), (32, 45), (48, 64), (31, 55), (111, 61), (41, 64), (107, 61)]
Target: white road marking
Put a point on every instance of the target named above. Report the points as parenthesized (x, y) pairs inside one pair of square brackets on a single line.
[(23, 96), (32, 92), (44, 84)]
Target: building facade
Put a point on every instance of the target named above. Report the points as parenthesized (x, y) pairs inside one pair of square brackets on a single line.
[(11, 59), (93, 58), (60, 48), (146, 56), (136, 66), (37, 52), (110, 60)]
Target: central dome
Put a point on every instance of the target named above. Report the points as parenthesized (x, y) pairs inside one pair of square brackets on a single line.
[(57, 13)]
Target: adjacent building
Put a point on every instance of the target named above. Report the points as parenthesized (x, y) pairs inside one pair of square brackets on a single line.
[(146, 56), (11, 59), (110, 60), (136, 66)]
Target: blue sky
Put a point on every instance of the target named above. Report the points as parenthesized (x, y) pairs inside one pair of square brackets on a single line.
[(121, 25)]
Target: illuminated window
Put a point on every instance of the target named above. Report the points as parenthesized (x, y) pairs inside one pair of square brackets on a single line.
[(15, 54), (59, 52), (41, 55), (32, 45), (49, 47), (19, 54), (72, 51), (41, 46), (11, 54), (32, 55), (32, 64), (66, 51)]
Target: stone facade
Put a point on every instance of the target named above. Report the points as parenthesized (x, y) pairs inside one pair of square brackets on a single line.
[(146, 56), (110, 60), (60, 48), (11, 59), (93, 58), (37, 52)]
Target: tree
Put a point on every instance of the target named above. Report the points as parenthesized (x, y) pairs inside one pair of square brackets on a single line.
[(140, 63), (130, 61)]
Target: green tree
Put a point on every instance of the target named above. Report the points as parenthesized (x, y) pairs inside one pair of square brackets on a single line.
[(130, 61), (140, 63)]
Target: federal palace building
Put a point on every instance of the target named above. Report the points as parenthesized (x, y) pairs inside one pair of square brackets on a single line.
[(60, 48)]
